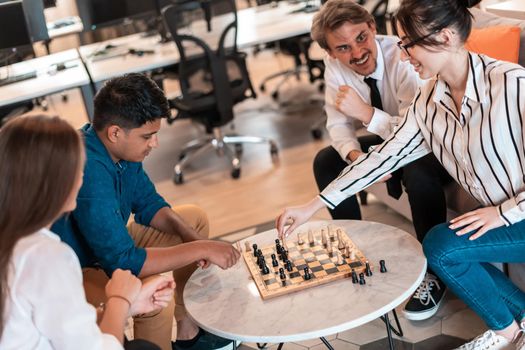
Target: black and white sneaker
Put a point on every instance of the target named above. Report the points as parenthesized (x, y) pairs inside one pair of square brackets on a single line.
[(425, 301)]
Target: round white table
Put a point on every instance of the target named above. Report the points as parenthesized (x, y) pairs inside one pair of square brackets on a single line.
[(227, 302)]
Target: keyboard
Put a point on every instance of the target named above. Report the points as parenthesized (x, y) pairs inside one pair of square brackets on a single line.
[(17, 78)]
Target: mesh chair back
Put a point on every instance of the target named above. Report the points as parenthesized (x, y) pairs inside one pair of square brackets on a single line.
[(210, 69)]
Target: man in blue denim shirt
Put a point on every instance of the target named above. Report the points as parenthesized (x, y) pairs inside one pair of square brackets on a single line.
[(128, 113)]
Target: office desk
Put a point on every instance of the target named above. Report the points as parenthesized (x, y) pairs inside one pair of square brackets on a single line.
[(255, 26), (512, 8), (47, 81), (227, 302), (55, 29)]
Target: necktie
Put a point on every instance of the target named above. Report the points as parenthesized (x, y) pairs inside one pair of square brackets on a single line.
[(393, 185)]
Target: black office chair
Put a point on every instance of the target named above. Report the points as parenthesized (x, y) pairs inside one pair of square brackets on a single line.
[(213, 77)]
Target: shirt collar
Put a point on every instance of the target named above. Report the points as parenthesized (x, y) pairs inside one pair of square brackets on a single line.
[(380, 68), (97, 146), (49, 234), (475, 88)]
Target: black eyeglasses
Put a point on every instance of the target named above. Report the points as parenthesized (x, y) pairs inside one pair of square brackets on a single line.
[(405, 47)]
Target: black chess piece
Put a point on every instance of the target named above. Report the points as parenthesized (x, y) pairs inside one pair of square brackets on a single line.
[(382, 267), (307, 275), (288, 265), (275, 263), (284, 255), (259, 252), (354, 277), (281, 273), (368, 270), (261, 261), (362, 278), (254, 249), (265, 269)]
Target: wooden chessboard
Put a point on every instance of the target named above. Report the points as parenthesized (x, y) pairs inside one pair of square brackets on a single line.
[(323, 267)]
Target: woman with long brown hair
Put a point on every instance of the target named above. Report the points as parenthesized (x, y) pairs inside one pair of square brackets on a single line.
[(42, 301)]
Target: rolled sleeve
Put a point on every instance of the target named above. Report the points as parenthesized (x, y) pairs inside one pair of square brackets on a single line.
[(382, 123), (512, 210)]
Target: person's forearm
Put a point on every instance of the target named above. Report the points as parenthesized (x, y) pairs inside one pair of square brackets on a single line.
[(159, 260), (114, 318), (166, 220)]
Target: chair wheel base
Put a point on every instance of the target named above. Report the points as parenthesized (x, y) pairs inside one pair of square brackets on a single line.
[(236, 173), (178, 179), (317, 134)]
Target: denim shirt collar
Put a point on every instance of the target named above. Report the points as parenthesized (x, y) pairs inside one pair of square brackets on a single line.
[(98, 148)]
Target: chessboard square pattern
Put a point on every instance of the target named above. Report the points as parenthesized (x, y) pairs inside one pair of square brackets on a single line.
[(320, 262)]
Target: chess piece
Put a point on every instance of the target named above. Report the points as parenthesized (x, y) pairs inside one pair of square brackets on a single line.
[(324, 238), (368, 270), (352, 255), (329, 248), (261, 261), (259, 253), (382, 267), (284, 255), (275, 263), (299, 239), (338, 233), (342, 244), (311, 240), (282, 276), (331, 234), (340, 260), (307, 275), (265, 270), (347, 251), (247, 245), (254, 249), (288, 265), (362, 278), (354, 277)]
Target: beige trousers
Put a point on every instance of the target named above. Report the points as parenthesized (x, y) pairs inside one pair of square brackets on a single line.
[(156, 327)]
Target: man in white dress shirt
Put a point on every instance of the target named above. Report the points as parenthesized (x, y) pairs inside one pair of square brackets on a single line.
[(366, 81)]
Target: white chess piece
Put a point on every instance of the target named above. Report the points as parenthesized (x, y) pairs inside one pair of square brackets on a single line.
[(247, 245), (299, 239), (311, 237)]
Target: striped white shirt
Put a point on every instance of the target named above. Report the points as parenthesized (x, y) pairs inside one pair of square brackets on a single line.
[(482, 146)]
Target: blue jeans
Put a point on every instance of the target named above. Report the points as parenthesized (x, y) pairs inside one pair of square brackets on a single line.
[(464, 266)]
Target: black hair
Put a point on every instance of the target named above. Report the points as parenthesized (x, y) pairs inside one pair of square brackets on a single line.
[(129, 101), (422, 17)]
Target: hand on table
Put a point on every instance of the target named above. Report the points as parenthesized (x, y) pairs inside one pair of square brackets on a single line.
[(479, 220)]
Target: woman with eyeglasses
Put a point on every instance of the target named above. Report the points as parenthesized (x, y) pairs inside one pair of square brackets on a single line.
[(42, 301), (470, 114)]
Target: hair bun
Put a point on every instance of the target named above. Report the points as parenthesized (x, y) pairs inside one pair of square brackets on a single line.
[(468, 3)]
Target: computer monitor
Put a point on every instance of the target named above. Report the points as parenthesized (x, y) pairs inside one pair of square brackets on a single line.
[(34, 18), (50, 3), (14, 31), (102, 13)]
